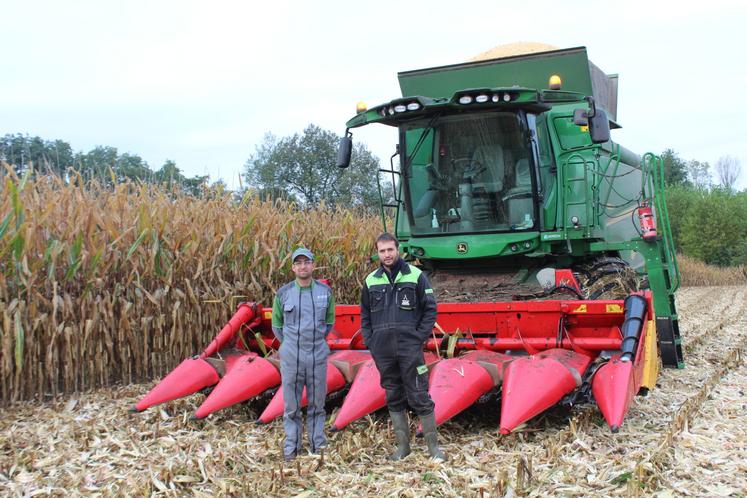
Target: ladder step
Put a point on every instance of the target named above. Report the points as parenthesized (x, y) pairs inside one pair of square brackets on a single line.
[(670, 343)]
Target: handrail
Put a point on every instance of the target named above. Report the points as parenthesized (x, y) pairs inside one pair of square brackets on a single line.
[(590, 219), (656, 166), (395, 194)]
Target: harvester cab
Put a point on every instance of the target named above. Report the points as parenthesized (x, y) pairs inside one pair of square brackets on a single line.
[(547, 244)]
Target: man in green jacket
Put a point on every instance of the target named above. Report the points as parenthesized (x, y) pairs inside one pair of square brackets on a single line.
[(303, 313), (398, 311)]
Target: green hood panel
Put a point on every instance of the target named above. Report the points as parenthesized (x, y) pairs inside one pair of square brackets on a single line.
[(473, 246)]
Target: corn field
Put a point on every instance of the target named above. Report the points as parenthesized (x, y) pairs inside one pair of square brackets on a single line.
[(100, 285), (695, 273)]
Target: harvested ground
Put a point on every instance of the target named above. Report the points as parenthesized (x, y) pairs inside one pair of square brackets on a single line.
[(685, 438)]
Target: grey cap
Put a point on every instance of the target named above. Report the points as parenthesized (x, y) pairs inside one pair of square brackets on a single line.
[(302, 251)]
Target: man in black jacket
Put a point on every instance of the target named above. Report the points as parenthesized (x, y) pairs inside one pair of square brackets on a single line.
[(398, 311)]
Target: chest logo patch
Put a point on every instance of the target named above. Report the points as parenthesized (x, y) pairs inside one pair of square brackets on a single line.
[(405, 301)]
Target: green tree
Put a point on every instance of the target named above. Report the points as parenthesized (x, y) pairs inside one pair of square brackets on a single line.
[(194, 186), (97, 163), (102, 163), (45, 155), (132, 167), (675, 169), (714, 228), (170, 175), (680, 200), (107, 166), (302, 166)]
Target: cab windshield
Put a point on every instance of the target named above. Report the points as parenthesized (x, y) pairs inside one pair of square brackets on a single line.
[(468, 173)]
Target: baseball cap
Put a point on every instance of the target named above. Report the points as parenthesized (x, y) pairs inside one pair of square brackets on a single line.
[(302, 251)]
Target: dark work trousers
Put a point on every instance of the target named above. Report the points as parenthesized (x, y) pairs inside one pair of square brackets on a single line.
[(398, 362)]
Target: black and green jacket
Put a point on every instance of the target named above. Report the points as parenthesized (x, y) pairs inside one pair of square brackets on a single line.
[(406, 306)]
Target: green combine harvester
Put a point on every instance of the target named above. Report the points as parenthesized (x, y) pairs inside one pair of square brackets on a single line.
[(507, 168)]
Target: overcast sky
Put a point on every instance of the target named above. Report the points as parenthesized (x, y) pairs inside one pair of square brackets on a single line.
[(202, 82)]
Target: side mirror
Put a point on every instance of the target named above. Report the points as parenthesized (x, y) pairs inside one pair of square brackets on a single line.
[(599, 127), (343, 153), (581, 117)]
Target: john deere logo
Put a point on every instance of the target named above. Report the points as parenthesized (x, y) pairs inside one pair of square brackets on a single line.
[(462, 248)]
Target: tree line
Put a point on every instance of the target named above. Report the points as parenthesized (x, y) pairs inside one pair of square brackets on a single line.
[(708, 214), (102, 163), (299, 168)]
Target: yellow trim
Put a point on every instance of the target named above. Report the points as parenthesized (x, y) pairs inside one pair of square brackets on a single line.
[(614, 308), (650, 358), (580, 309)]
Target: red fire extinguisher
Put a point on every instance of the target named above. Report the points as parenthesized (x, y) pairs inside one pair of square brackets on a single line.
[(648, 224)]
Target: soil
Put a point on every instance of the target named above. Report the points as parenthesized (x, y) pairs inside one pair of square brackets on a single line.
[(465, 287)]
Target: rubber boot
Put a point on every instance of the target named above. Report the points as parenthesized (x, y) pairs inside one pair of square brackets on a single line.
[(402, 432), (431, 436)]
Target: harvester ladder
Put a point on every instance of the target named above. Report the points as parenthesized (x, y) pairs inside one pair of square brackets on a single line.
[(667, 327), (655, 165), (396, 198)]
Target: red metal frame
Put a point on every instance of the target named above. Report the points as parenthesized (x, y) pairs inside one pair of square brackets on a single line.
[(530, 325), (556, 342)]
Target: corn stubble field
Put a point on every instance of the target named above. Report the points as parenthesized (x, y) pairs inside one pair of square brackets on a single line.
[(124, 319)]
